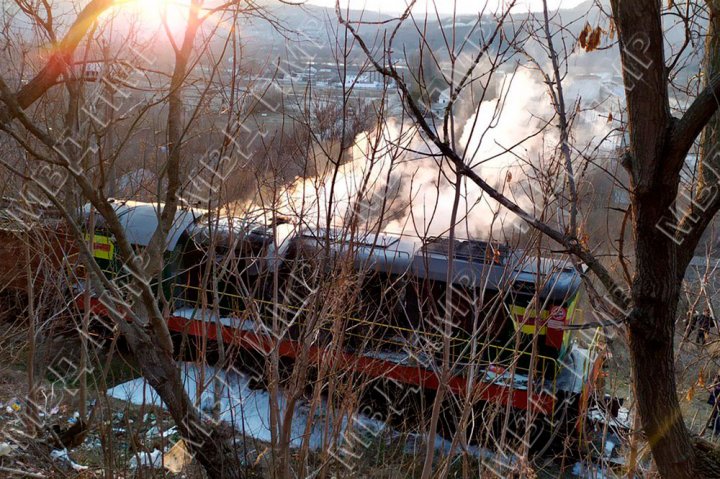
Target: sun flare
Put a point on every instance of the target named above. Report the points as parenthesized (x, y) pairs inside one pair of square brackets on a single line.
[(154, 12)]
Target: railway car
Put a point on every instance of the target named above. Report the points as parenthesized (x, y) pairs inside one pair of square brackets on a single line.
[(504, 314)]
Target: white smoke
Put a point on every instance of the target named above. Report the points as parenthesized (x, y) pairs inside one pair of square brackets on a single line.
[(397, 182)]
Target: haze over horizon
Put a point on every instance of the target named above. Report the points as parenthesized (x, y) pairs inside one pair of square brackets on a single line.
[(445, 7)]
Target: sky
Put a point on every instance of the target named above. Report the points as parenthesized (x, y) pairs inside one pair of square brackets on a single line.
[(445, 6)]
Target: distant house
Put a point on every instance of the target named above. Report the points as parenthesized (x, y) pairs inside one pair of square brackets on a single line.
[(438, 107), (92, 71)]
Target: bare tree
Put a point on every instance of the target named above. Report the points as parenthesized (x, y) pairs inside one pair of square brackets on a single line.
[(443, 94), (138, 317), (657, 151)]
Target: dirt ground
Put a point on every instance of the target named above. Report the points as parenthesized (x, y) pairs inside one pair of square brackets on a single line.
[(118, 435)]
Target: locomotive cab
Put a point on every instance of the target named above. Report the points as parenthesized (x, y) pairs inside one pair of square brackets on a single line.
[(544, 295), (139, 222), (495, 295)]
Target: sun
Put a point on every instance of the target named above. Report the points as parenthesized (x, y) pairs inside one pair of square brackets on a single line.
[(154, 13)]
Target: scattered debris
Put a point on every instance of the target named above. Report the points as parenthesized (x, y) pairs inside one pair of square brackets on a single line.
[(72, 436), (155, 431), (177, 457), (609, 447), (5, 449), (92, 443), (620, 421), (13, 406), (74, 418), (152, 459), (586, 471), (62, 455)]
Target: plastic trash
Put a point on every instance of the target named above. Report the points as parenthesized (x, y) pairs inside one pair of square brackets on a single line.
[(177, 457), (5, 449), (13, 406), (62, 455), (152, 459)]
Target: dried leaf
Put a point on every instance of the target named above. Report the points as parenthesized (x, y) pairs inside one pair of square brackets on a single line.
[(584, 239), (610, 117), (582, 39), (593, 41), (612, 29), (590, 37), (701, 379), (690, 394)]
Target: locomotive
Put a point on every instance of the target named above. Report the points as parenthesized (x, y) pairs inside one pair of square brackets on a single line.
[(505, 315)]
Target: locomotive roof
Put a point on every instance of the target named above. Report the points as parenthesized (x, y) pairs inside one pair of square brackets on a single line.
[(228, 232), (558, 276), (475, 263), (231, 232), (268, 237), (140, 221)]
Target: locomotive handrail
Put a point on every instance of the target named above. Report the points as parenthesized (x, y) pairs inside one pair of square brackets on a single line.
[(499, 351), (499, 362)]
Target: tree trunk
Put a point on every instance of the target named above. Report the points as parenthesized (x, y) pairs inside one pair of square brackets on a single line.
[(651, 325), (208, 443), (653, 165), (710, 161), (655, 391)]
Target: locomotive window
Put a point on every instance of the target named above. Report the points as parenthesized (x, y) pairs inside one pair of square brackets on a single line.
[(519, 299)]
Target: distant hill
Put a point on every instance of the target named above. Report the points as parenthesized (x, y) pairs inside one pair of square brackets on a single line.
[(314, 30), (302, 33)]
